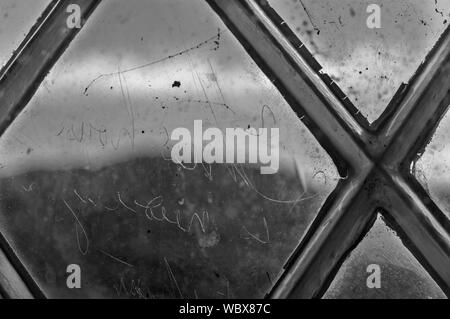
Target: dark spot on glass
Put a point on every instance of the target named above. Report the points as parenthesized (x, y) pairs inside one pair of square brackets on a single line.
[(352, 12)]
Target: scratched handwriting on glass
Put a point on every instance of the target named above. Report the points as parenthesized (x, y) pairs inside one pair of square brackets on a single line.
[(88, 171), (89, 162)]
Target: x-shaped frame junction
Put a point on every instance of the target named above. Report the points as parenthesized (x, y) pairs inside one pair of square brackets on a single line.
[(375, 159)]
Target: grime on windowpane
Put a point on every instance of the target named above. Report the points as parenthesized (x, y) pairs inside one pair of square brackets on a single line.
[(381, 267), (369, 65), (16, 19), (87, 176), (432, 169)]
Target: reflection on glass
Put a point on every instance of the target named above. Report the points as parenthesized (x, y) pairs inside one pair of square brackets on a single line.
[(432, 170), (369, 65), (401, 275), (87, 177), (16, 19)]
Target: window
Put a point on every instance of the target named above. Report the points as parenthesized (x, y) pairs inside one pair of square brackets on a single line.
[(369, 65), (87, 177), (16, 21), (401, 276), (431, 167)]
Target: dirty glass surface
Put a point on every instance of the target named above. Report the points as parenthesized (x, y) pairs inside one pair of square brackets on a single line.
[(369, 65), (432, 169), (87, 177), (401, 275), (16, 19)]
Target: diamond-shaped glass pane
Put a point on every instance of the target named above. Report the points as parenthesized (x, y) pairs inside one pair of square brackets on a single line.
[(382, 267), (16, 19), (87, 177), (432, 170), (369, 65)]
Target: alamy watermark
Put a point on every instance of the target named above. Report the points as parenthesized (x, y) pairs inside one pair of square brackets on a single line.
[(74, 19), (234, 146), (374, 279), (374, 19), (74, 276)]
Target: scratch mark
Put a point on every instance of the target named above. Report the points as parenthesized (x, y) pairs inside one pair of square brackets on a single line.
[(146, 65), (29, 188), (131, 112), (172, 277), (218, 86), (78, 195), (323, 174), (123, 204), (206, 96), (115, 258), (310, 18), (60, 132), (167, 136), (126, 103), (252, 187), (264, 242), (266, 107), (83, 251), (112, 209)]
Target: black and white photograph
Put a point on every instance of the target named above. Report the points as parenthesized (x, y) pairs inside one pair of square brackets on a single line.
[(224, 154)]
